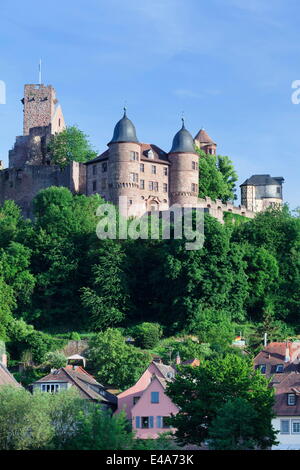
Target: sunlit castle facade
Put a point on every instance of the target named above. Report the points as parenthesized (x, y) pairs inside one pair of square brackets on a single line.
[(148, 178)]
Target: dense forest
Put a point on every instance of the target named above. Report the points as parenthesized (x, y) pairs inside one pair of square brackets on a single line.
[(56, 276)]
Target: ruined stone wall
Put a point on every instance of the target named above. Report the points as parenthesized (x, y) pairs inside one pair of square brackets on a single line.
[(217, 208)]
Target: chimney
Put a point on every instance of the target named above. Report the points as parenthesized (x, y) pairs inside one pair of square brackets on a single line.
[(178, 360), (3, 360), (287, 353)]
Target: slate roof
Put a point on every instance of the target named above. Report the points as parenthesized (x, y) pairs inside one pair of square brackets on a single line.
[(6, 378), (262, 180), (124, 131), (183, 141)]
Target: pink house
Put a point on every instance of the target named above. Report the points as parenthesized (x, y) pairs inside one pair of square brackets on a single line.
[(146, 403)]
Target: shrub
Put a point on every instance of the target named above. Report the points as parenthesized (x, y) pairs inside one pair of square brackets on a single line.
[(147, 335)]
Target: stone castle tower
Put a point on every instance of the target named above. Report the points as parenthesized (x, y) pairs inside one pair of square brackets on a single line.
[(30, 168), (144, 176)]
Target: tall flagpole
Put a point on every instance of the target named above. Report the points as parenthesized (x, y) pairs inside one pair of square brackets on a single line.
[(40, 72)]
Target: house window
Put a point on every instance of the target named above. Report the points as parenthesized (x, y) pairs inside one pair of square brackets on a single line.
[(262, 368), (94, 169), (130, 202), (291, 399), (146, 422), (194, 166), (295, 426), (134, 177), (50, 388), (194, 188), (151, 185), (94, 185), (155, 186), (103, 183), (134, 156), (166, 171), (278, 189), (279, 368), (135, 400), (284, 426), (154, 397), (104, 167), (142, 167), (153, 169), (165, 187), (142, 184)]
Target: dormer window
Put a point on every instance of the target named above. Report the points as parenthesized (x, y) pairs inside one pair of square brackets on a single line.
[(291, 399), (150, 154), (262, 368), (279, 368)]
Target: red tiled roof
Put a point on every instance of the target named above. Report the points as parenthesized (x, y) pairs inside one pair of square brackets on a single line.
[(274, 354), (6, 378), (203, 137)]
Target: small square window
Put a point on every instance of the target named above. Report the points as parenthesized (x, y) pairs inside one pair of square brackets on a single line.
[(284, 426), (135, 400), (142, 184), (153, 169), (166, 171), (142, 167), (155, 186), (295, 427), (262, 368), (145, 422), (151, 185), (94, 185), (165, 187), (104, 167), (94, 169), (279, 368), (154, 397), (291, 399)]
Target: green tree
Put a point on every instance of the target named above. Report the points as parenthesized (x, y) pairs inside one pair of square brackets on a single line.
[(217, 177), (236, 427), (116, 362), (107, 302), (211, 386), (55, 359), (70, 145), (24, 420), (147, 334)]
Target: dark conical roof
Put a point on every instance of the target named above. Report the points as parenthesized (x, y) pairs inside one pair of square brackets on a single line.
[(124, 131), (183, 141)]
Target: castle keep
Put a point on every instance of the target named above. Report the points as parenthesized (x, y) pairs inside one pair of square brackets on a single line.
[(150, 178)]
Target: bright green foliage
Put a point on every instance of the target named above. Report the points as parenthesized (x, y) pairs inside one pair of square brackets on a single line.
[(211, 386), (147, 334), (217, 177), (236, 427), (116, 362), (107, 302), (70, 145), (55, 360), (187, 347), (7, 303)]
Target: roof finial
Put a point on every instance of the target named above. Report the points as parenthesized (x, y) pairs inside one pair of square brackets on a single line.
[(125, 109), (40, 72), (182, 119)]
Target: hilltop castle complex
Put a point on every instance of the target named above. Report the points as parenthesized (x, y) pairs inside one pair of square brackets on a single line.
[(150, 178)]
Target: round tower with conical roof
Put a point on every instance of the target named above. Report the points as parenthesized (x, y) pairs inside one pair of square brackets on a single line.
[(124, 164), (184, 172), (204, 142)]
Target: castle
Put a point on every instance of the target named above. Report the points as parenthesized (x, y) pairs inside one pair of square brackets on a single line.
[(148, 178)]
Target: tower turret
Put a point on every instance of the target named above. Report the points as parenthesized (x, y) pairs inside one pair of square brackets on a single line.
[(184, 172), (203, 141), (124, 156)]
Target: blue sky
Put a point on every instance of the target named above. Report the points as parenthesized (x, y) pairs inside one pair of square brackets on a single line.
[(228, 64)]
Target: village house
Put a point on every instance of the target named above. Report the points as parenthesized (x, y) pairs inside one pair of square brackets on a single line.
[(279, 362), (146, 404), (76, 376)]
